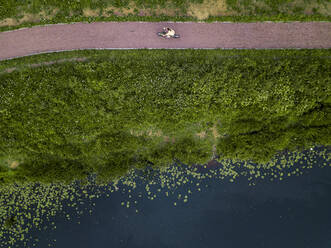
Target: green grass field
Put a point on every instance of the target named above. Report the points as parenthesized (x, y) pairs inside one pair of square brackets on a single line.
[(65, 121), (14, 14)]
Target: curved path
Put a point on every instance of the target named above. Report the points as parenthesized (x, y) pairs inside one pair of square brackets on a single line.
[(134, 35)]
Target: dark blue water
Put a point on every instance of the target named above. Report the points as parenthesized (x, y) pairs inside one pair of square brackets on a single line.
[(295, 212)]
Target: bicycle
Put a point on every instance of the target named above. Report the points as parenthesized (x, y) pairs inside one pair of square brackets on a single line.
[(163, 34)]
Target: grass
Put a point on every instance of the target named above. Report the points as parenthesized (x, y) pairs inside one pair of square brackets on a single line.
[(14, 14), (99, 55), (65, 121)]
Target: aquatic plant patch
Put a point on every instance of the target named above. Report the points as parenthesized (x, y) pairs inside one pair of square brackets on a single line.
[(30, 208)]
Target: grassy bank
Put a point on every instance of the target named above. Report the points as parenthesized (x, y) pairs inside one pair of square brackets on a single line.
[(14, 14), (65, 121)]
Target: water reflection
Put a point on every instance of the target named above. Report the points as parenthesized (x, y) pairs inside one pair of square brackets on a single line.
[(293, 212)]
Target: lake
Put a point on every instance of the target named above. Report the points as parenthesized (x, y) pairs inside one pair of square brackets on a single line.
[(294, 212)]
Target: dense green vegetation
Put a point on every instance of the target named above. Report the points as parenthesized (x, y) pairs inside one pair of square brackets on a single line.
[(57, 11), (65, 121)]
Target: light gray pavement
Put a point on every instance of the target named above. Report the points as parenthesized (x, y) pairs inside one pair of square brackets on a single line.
[(133, 35)]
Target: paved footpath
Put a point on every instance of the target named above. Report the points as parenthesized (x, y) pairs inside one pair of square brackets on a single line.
[(134, 35)]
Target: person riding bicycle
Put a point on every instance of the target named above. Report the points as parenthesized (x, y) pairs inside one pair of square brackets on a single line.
[(168, 32)]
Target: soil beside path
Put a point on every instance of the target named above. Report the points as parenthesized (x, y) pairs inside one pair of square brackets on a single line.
[(134, 35)]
